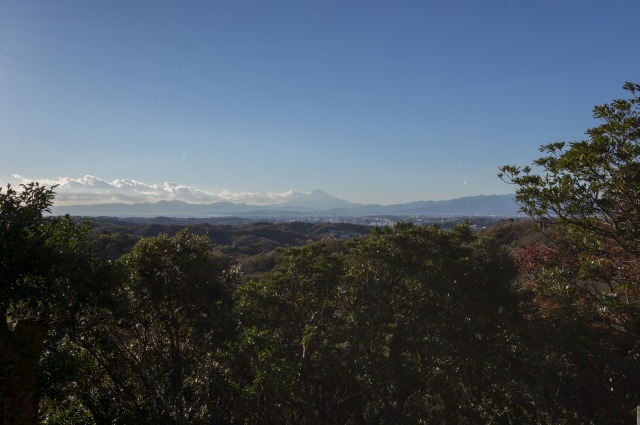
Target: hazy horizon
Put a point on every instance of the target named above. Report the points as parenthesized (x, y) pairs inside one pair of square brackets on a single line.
[(372, 102), (91, 190)]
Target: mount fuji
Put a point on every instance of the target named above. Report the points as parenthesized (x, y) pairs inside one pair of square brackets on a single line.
[(317, 202)]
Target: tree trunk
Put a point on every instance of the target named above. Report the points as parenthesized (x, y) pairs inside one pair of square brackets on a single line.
[(21, 350)]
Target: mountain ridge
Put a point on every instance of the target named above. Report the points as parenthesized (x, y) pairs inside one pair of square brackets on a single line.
[(317, 202)]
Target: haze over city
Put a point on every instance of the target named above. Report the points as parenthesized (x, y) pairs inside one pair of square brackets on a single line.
[(253, 101)]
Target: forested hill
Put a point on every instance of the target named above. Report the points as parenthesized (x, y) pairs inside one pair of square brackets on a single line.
[(251, 245), (527, 322)]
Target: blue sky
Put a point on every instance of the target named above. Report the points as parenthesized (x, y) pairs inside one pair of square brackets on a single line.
[(371, 101)]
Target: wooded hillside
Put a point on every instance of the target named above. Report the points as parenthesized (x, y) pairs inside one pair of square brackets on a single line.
[(527, 322)]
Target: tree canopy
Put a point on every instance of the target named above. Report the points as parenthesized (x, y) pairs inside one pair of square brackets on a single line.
[(585, 278), (402, 325), (47, 279), (589, 191)]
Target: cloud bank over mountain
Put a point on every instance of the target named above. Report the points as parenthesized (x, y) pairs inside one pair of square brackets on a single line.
[(94, 190), (92, 196)]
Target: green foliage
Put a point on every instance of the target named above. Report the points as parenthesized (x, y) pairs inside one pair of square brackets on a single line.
[(591, 186), (153, 357), (49, 281), (41, 258), (409, 323), (112, 246), (584, 279), (591, 190)]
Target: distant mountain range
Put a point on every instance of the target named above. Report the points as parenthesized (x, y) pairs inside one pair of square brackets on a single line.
[(317, 202)]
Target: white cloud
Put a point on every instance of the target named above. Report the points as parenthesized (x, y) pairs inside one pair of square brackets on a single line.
[(93, 190)]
